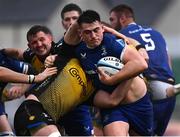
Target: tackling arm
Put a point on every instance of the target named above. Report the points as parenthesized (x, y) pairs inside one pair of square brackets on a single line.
[(7, 75), (72, 36)]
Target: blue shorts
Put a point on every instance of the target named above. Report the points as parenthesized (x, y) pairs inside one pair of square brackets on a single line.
[(2, 108), (78, 122), (139, 115), (163, 110)]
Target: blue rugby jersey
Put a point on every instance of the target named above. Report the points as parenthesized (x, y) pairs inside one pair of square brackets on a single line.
[(110, 46), (155, 45)]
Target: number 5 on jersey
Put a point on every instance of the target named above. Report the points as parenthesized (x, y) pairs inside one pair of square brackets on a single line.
[(149, 42)]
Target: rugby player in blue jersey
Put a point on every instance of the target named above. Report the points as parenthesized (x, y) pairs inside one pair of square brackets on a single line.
[(95, 45), (159, 75), (80, 117), (12, 71)]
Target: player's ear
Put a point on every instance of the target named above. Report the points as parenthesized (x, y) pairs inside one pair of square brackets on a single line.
[(102, 25)]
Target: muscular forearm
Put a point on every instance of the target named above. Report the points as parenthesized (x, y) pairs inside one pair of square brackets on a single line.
[(7, 75), (103, 99), (116, 33), (134, 65), (72, 37), (131, 69)]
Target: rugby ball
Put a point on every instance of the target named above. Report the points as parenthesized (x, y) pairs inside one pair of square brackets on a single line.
[(110, 65)]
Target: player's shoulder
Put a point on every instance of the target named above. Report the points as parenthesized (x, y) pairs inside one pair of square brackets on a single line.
[(153, 32), (108, 38), (149, 29)]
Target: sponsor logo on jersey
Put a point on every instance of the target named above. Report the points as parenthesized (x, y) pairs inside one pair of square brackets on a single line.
[(104, 52), (111, 59), (43, 84), (83, 55), (75, 73)]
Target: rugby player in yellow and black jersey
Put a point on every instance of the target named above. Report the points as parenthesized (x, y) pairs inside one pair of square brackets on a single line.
[(70, 87), (58, 94)]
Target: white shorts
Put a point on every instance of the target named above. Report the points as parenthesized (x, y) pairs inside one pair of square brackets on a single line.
[(158, 89)]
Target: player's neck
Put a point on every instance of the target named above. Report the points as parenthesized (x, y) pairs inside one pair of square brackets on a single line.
[(89, 47)]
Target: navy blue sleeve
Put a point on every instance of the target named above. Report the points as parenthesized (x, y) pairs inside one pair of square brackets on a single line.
[(114, 45)]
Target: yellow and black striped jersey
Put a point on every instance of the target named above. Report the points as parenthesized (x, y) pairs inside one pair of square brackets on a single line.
[(70, 88)]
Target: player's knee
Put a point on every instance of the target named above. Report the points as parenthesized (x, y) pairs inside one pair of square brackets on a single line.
[(30, 117)]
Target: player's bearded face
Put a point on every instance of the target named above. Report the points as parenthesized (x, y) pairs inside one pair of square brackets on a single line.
[(92, 33), (40, 43), (114, 21)]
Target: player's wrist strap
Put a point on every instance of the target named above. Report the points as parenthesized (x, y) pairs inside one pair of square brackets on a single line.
[(31, 78)]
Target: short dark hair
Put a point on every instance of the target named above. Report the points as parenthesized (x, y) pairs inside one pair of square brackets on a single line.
[(37, 28), (122, 8), (88, 16), (70, 7)]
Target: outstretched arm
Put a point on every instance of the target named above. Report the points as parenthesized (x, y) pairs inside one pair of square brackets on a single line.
[(103, 99), (7, 75), (116, 33)]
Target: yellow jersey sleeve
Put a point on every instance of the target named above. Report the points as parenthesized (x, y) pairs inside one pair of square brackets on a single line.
[(37, 64), (70, 88)]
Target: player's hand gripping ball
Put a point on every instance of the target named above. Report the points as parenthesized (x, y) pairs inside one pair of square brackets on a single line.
[(110, 65)]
